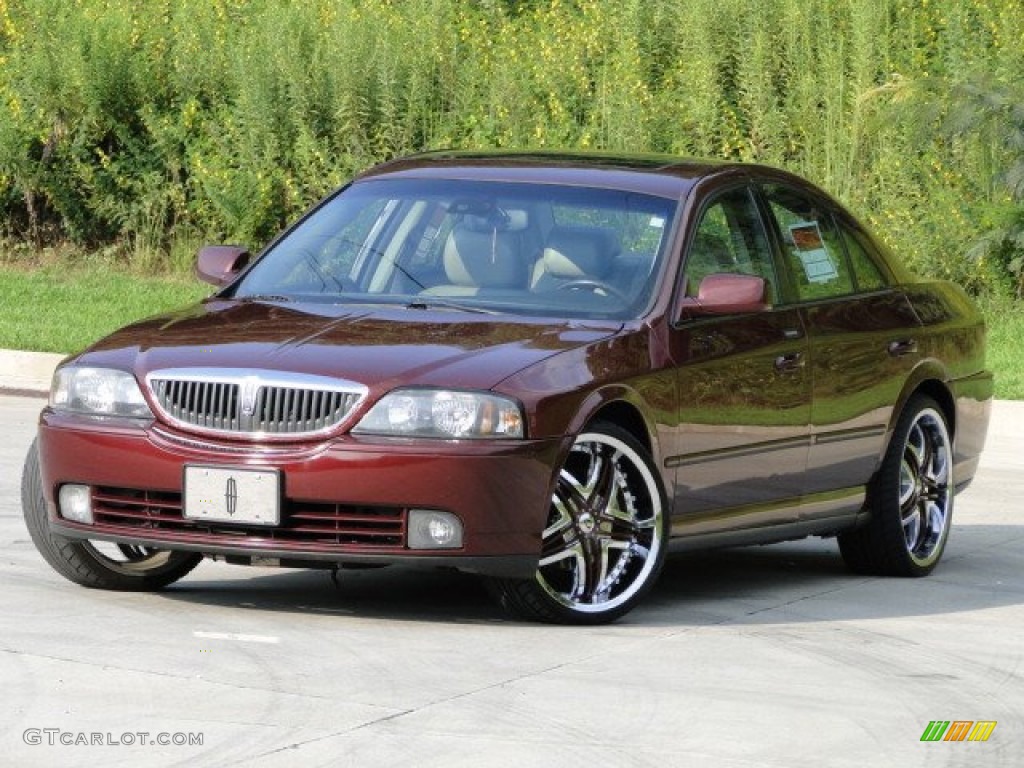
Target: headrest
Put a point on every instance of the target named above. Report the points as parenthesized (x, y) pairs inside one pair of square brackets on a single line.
[(573, 252), (488, 259)]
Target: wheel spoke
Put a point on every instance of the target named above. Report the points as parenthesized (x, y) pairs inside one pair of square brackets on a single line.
[(916, 445), (600, 487), (132, 552), (562, 519), (621, 508), (908, 484), (573, 551), (937, 472), (594, 470), (912, 527), (574, 495), (579, 573), (596, 554), (935, 519), (927, 450)]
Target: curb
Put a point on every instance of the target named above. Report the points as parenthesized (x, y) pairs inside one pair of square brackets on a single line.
[(27, 374)]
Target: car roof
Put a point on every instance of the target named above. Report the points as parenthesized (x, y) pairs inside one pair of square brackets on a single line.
[(663, 175)]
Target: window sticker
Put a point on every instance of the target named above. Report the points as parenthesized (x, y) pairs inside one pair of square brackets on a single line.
[(810, 247)]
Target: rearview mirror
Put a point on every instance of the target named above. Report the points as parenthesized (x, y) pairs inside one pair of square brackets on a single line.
[(218, 264)]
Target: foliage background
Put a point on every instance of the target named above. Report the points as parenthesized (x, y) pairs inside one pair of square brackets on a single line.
[(145, 127)]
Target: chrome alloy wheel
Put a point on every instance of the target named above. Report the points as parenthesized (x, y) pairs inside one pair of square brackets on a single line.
[(926, 486), (909, 502), (603, 541)]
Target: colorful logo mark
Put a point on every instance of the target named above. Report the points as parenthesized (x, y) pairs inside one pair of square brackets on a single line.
[(958, 730)]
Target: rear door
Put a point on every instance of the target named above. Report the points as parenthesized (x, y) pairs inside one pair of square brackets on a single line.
[(862, 334)]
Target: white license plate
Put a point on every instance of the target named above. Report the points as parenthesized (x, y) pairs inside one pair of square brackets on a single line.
[(232, 495)]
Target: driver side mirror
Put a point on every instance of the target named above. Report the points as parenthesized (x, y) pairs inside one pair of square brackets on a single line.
[(727, 294), (219, 264)]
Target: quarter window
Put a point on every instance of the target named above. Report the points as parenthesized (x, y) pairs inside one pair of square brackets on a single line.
[(865, 271)]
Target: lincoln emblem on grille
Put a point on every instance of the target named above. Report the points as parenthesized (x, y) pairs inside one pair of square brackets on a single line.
[(248, 395), (231, 496)]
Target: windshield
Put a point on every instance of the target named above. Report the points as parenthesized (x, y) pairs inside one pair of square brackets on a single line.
[(515, 248)]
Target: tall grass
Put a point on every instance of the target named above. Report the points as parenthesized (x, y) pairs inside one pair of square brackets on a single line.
[(155, 124), (51, 308)]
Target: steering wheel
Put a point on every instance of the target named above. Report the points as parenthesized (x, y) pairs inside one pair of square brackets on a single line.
[(595, 285)]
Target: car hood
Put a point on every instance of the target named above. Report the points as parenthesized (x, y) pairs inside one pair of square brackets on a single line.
[(380, 347)]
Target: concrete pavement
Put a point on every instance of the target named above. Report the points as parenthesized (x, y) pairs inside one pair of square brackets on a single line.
[(768, 657)]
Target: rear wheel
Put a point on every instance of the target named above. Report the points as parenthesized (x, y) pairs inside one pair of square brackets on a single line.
[(604, 543), (96, 564), (911, 499)]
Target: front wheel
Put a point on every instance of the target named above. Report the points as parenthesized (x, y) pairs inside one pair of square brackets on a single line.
[(605, 539), (910, 499), (100, 565)]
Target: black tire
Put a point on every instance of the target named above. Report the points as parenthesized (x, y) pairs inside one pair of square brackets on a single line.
[(605, 539), (910, 499), (79, 560)]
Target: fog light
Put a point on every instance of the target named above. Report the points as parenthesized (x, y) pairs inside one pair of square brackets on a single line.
[(76, 503), (430, 529)]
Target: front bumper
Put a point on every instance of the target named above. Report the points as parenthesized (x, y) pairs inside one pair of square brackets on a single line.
[(343, 500)]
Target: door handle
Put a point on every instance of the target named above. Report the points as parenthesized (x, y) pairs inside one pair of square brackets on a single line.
[(901, 347), (789, 363)]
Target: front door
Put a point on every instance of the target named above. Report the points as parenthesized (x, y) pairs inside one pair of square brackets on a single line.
[(744, 386)]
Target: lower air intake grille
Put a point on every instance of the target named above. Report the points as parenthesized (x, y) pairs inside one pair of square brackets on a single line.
[(316, 525)]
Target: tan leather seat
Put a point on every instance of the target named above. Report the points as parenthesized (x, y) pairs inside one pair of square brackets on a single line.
[(575, 253), (481, 255)]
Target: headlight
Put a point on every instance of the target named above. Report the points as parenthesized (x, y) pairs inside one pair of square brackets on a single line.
[(98, 392), (443, 413)]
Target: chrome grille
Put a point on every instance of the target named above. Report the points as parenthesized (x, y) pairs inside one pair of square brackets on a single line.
[(209, 404), (290, 409), (265, 403)]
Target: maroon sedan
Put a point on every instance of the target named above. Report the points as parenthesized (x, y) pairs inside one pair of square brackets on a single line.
[(546, 369)]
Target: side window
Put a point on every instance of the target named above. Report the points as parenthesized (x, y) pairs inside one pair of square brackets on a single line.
[(730, 239), (812, 245), (865, 270)]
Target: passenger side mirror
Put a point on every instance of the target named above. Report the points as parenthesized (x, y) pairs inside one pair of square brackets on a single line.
[(727, 294), (218, 264)]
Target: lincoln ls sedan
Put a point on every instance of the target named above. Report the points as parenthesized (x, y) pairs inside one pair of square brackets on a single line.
[(546, 369)]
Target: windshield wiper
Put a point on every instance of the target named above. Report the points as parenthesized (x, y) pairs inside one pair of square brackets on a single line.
[(323, 276), (393, 261), (409, 275), (264, 297), (434, 303)]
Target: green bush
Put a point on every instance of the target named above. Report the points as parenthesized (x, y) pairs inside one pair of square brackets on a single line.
[(152, 125)]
